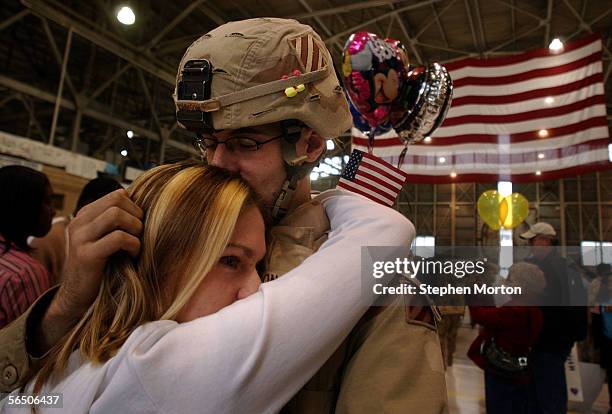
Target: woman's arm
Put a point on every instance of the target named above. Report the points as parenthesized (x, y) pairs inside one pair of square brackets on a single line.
[(254, 355)]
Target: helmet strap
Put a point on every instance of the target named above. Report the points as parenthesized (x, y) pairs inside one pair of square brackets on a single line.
[(296, 166)]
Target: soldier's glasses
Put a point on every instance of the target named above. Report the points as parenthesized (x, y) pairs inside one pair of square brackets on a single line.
[(232, 144)]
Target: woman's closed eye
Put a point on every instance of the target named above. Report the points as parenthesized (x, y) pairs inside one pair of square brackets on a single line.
[(230, 261)]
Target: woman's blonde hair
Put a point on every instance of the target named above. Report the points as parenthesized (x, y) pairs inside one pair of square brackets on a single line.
[(190, 211)]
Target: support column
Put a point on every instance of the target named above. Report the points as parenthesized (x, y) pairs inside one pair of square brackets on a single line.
[(58, 99), (76, 128)]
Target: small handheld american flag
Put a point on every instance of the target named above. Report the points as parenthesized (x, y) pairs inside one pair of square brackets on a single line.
[(372, 177)]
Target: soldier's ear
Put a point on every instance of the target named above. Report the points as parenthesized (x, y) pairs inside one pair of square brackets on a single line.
[(310, 144)]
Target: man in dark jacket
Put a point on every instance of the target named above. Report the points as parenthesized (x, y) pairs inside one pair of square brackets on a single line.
[(563, 322)]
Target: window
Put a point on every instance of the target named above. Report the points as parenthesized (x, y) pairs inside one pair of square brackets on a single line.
[(595, 252), (424, 246)]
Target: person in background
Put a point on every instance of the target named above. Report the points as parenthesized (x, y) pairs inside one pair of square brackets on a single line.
[(51, 250), (564, 322), (25, 210), (600, 294), (513, 329)]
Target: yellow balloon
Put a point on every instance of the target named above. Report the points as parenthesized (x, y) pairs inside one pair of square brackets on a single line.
[(488, 208), (497, 211), (518, 209), (504, 209)]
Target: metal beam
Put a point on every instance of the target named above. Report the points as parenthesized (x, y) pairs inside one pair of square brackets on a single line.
[(92, 33), (32, 117), (410, 39), (96, 114), (506, 43), (212, 15), (58, 56), (145, 88), (321, 24), (167, 28), (548, 23), (518, 9), (14, 18), (179, 43), (468, 12), (430, 21), (110, 81), (483, 40), (584, 25), (377, 18), (447, 49), (60, 88), (439, 23), (351, 7)]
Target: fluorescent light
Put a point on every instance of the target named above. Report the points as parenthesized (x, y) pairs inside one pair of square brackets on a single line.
[(556, 45), (124, 152), (330, 144), (130, 134), (442, 160), (541, 155), (126, 16), (314, 176), (543, 133), (549, 100)]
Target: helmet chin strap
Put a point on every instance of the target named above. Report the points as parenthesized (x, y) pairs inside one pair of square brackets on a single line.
[(296, 166)]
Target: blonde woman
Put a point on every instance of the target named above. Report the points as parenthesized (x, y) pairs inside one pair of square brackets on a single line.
[(186, 327)]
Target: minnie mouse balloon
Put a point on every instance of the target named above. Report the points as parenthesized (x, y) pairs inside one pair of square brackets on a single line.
[(362, 125), (423, 104), (374, 74)]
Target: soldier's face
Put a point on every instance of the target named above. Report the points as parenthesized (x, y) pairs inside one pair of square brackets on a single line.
[(263, 168)]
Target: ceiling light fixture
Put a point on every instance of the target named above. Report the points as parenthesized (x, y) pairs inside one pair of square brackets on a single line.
[(126, 16)]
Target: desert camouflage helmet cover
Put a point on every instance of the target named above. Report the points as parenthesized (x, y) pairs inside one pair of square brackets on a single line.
[(248, 59)]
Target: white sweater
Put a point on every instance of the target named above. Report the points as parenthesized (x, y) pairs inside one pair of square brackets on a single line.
[(252, 356)]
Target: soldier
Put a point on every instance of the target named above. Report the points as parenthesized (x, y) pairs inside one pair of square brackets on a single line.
[(262, 97)]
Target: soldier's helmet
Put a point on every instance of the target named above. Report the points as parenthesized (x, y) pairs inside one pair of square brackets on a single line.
[(245, 73)]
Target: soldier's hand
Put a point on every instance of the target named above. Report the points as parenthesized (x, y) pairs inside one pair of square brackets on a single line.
[(100, 229)]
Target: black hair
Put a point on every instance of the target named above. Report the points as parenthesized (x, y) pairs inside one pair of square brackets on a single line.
[(95, 189), (23, 192)]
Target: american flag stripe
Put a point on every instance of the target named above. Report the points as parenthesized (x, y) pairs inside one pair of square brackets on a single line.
[(380, 180), (366, 191), (372, 177), (383, 169), (513, 116), (363, 177)]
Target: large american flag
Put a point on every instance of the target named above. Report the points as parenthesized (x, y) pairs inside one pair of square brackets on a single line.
[(533, 116), (372, 177)]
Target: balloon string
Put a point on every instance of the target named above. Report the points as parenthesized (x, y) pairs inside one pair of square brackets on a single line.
[(400, 161)]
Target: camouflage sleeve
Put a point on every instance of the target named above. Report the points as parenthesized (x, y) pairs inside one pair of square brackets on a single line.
[(16, 364), (395, 364)]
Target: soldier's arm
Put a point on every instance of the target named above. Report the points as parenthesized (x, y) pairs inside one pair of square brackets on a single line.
[(101, 229), (395, 364)]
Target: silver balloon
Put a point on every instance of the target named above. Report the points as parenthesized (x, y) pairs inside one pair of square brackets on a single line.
[(432, 94)]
